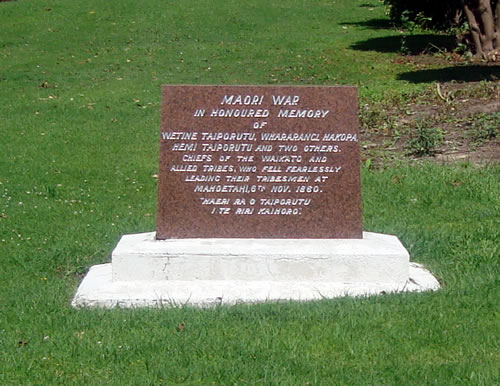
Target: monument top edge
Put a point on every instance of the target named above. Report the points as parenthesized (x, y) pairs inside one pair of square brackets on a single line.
[(257, 85)]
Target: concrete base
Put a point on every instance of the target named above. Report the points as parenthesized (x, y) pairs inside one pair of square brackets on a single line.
[(200, 272)]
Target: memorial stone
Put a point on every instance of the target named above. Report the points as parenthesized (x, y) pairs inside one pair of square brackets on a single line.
[(259, 162), (258, 199)]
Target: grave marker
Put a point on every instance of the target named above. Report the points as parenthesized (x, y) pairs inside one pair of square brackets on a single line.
[(258, 199), (259, 162)]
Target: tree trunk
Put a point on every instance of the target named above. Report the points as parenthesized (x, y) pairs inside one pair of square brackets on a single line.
[(486, 17), (484, 27), (497, 26)]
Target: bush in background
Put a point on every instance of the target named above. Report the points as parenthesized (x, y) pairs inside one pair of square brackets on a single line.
[(480, 17)]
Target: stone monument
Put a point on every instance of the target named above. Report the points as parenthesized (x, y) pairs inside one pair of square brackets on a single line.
[(259, 198)]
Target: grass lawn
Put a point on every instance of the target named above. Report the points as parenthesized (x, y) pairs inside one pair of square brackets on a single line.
[(79, 135)]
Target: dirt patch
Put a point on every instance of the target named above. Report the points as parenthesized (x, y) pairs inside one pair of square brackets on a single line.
[(449, 122)]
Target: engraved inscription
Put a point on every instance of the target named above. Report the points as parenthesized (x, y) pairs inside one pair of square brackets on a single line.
[(259, 153)]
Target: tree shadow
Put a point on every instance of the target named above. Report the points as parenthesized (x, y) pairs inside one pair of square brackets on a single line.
[(410, 44), (473, 73), (367, 5), (371, 24)]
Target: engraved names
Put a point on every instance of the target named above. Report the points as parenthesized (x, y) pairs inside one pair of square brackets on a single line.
[(273, 163)]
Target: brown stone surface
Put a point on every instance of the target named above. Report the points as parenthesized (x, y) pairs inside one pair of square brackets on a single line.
[(259, 162)]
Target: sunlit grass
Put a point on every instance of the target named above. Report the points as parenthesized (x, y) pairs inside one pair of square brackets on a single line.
[(79, 123)]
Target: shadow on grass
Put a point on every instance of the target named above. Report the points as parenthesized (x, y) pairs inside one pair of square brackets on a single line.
[(371, 24), (367, 5), (474, 73), (411, 44)]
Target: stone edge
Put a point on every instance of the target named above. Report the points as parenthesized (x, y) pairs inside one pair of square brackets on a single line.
[(98, 290)]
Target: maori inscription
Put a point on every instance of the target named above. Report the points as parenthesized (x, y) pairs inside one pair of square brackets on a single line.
[(259, 162)]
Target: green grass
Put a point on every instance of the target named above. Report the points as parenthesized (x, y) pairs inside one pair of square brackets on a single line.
[(79, 124), (133, 47)]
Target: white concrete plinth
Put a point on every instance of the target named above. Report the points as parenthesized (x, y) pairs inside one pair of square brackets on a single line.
[(149, 272)]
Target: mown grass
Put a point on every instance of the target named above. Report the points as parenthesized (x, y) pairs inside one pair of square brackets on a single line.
[(79, 124)]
